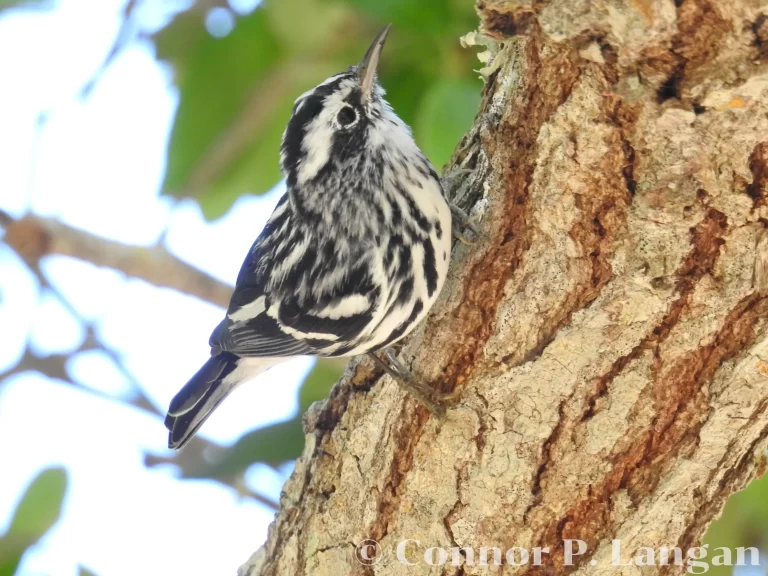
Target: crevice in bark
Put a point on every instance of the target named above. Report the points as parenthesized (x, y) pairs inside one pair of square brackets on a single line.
[(758, 165), (508, 23), (406, 438), (639, 468), (510, 152), (706, 238), (602, 208), (701, 33), (760, 29), (546, 456), (448, 518), (671, 86)]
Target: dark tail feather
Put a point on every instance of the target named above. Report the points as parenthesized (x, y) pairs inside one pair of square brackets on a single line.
[(199, 398)]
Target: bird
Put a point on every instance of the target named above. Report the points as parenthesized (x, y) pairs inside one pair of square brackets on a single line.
[(352, 258)]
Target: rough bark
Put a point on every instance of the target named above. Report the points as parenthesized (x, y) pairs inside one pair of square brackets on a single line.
[(608, 331)]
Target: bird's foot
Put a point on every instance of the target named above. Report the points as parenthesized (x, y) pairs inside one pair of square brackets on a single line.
[(461, 222), (448, 180), (430, 398)]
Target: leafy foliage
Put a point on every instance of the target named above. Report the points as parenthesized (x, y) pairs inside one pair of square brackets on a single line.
[(742, 523), (215, 77), (446, 110), (38, 510)]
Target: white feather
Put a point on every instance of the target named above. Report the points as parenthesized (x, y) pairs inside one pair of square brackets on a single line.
[(248, 311), (344, 308), (247, 369)]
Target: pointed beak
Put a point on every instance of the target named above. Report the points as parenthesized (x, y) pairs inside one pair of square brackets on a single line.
[(366, 70)]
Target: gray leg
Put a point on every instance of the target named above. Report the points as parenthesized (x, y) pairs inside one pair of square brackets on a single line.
[(449, 179), (461, 220), (433, 400)]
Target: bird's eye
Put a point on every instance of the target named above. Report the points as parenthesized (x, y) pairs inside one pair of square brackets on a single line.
[(346, 116)]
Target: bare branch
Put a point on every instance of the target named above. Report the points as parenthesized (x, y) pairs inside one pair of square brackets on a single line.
[(124, 36), (194, 462), (33, 237), (189, 462), (54, 366), (129, 32), (198, 451)]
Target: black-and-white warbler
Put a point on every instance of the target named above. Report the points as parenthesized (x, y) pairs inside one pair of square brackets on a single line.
[(352, 258)]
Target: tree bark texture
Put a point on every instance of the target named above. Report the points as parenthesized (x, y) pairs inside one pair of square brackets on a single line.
[(608, 332)]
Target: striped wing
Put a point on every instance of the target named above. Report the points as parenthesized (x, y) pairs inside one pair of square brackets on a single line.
[(291, 300)]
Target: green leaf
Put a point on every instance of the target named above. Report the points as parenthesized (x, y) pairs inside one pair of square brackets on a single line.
[(83, 571), (40, 507), (318, 383), (445, 115), (283, 441), (425, 15), (38, 510), (256, 168), (218, 78), (405, 85), (319, 22), (742, 522), (236, 92), (272, 444)]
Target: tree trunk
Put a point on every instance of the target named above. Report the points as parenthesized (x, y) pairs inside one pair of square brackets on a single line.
[(607, 330)]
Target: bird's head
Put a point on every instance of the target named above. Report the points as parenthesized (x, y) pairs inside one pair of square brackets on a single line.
[(344, 126)]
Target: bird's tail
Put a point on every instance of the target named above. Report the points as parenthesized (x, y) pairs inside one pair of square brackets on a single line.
[(206, 390)]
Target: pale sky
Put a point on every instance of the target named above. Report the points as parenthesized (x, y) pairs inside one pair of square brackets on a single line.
[(97, 164)]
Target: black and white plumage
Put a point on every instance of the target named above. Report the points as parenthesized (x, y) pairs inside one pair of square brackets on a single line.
[(353, 256)]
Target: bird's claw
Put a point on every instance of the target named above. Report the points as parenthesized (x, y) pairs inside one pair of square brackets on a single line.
[(430, 398), (462, 221), (463, 239), (448, 179)]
